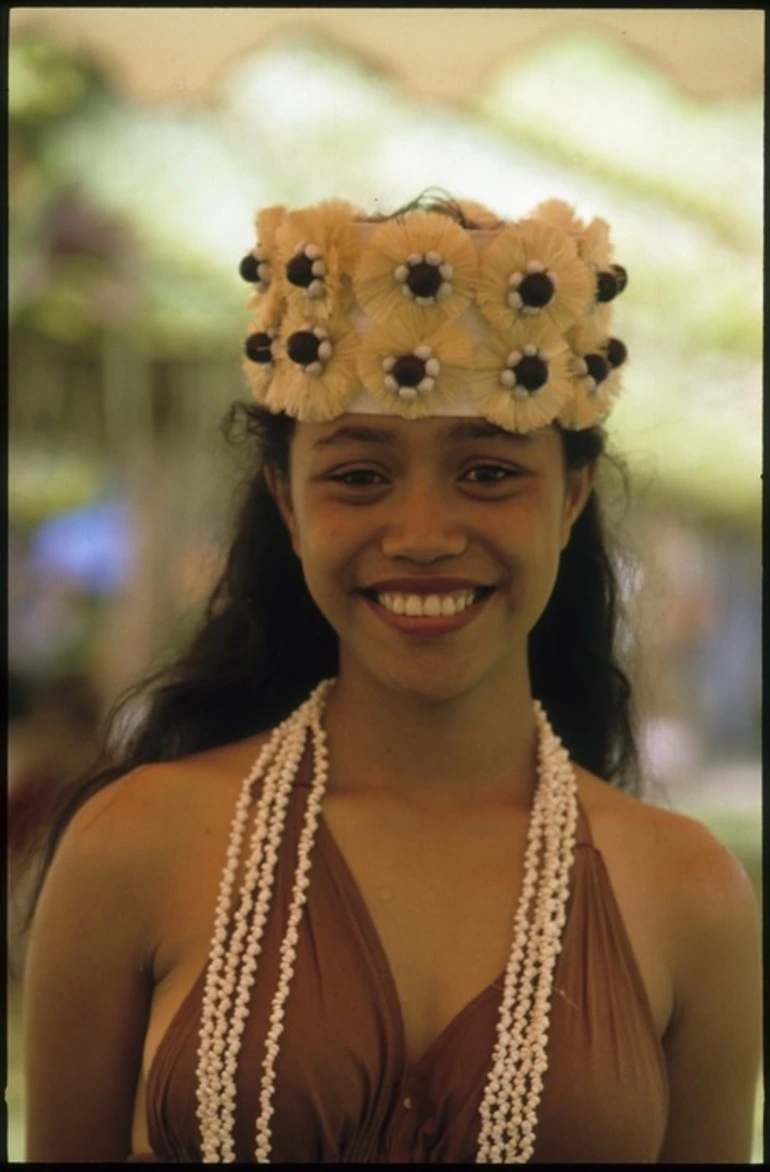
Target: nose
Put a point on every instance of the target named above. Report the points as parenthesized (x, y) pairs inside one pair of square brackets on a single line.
[(423, 525)]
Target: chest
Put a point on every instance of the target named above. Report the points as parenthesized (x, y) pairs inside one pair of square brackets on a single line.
[(441, 895)]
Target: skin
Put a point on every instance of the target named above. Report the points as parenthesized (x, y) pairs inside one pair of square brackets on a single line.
[(432, 774)]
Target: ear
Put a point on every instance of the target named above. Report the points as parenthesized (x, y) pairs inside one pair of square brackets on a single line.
[(280, 490), (579, 483)]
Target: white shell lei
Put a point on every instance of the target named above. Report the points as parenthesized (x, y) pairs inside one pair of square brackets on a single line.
[(519, 1059)]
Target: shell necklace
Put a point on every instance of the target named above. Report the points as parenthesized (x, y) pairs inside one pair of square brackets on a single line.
[(519, 1058)]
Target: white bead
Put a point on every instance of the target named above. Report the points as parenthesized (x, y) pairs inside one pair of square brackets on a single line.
[(426, 385), (315, 290), (513, 1091), (318, 268), (312, 251), (388, 363), (434, 258), (507, 378), (407, 393), (423, 352), (325, 351), (390, 383), (401, 273), (447, 271), (432, 367), (415, 258)]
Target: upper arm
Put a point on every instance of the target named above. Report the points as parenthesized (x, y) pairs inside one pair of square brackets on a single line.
[(87, 989), (713, 1043)]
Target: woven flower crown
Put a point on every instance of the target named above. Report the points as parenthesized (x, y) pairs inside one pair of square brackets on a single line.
[(443, 309)]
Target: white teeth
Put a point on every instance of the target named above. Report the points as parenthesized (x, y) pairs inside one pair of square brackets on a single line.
[(427, 605), (414, 605)]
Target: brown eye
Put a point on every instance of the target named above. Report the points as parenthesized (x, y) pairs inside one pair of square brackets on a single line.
[(490, 474), (359, 478)]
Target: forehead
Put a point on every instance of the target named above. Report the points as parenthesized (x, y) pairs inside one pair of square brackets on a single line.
[(390, 432)]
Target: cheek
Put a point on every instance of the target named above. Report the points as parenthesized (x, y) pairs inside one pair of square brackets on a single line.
[(319, 540), (534, 557), (323, 549)]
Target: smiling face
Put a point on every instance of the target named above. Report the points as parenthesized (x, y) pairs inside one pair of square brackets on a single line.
[(430, 547)]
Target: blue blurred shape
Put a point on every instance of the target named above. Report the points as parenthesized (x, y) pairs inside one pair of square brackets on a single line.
[(92, 546)]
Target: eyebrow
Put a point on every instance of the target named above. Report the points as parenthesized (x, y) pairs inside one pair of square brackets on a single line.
[(358, 434), (464, 429), (467, 429)]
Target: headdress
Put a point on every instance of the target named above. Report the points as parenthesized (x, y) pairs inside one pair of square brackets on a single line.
[(441, 309)]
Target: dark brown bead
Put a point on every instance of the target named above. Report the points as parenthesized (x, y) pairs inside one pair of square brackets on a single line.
[(409, 370), (615, 351), (598, 366), (621, 276), (606, 286), (258, 348), (299, 271), (302, 347), (531, 373), (536, 290), (248, 268), (424, 280)]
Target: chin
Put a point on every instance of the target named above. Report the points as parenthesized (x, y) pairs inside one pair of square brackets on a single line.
[(434, 684)]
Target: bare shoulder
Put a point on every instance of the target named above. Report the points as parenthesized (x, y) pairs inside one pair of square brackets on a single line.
[(132, 841), (701, 882), (155, 803), (127, 893)]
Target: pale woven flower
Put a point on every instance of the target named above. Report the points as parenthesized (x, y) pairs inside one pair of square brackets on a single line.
[(596, 383), (318, 390), (321, 244), (260, 345), (592, 240), (420, 267), (267, 292), (537, 265), (432, 366), (521, 379), (594, 245), (597, 325), (559, 214)]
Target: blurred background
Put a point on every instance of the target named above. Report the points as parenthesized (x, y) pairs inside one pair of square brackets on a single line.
[(141, 141)]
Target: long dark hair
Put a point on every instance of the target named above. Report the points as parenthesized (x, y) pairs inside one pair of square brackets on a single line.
[(262, 644)]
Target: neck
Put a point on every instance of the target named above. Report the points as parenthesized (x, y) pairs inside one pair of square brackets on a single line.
[(475, 745)]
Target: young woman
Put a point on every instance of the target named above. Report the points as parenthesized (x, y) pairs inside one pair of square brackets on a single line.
[(369, 885)]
